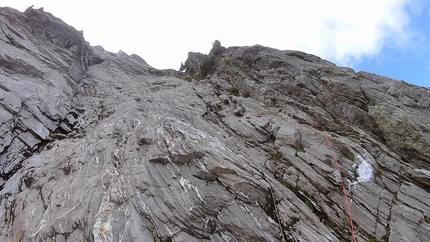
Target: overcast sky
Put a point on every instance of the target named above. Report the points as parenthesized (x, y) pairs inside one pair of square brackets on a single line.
[(386, 37)]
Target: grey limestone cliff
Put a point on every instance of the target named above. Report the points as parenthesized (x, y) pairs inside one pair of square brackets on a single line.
[(97, 146)]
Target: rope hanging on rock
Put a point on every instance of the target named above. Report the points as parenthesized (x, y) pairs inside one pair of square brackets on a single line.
[(343, 186), (334, 158)]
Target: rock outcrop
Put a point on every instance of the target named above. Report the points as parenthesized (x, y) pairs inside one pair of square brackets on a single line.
[(43, 63), (97, 146)]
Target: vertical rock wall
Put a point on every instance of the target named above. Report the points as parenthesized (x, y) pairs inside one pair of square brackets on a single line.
[(116, 150), (43, 61)]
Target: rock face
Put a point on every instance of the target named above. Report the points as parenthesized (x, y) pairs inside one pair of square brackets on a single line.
[(43, 62), (97, 146)]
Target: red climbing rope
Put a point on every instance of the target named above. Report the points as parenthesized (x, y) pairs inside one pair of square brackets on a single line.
[(335, 160), (343, 186)]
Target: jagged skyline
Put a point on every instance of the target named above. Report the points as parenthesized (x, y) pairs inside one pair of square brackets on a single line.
[(387, 38)]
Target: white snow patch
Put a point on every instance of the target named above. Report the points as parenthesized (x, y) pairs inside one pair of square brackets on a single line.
[(364, 169)]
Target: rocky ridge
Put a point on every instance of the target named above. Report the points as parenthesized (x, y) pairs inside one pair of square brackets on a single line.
[(97, 146)]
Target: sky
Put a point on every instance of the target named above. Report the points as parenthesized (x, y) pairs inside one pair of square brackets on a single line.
[(386, 37)]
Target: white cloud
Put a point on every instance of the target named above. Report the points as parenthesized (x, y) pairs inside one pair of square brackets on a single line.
[(162, 32), (350, 30)]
